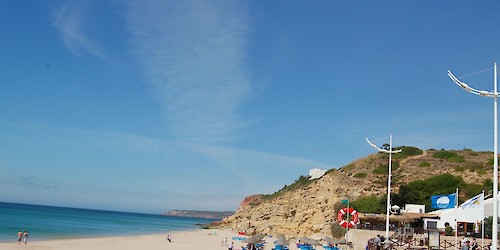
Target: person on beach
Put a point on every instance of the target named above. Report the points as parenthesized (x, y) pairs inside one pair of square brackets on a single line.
[(377, 241), (169, 238), (466, 246), (462, 242), (25, 237), (19, 236), (230, 247), (473, 244), (224, 242)]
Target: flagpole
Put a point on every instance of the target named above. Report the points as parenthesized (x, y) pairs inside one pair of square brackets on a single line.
[(482, 224), (456, 199)]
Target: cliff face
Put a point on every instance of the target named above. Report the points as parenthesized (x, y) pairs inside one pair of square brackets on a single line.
[(310, 209), (302, 212), (198, 214)]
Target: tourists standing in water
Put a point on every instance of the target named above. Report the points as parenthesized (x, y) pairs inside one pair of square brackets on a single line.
[(19, 236), (25, 237)]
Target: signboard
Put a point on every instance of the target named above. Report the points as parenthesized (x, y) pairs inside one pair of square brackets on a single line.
[(433, 238)]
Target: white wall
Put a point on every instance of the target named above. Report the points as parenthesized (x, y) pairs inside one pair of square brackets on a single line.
[(414, 208), (470, 215)]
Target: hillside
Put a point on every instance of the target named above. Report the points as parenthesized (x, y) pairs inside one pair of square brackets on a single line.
[(307, 207)]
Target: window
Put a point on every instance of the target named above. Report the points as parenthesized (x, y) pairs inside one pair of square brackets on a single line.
[(432, 224)]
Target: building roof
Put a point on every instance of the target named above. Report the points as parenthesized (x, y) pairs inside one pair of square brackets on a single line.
[(405, 217)]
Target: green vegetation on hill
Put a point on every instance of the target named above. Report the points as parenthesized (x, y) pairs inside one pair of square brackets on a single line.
[(370, 204), (448, 170), (420, 192), (407, 151), (450, 156), (301, 182)]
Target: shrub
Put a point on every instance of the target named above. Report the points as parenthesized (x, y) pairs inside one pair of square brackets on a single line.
[(407, 151), (448, 231), (443, 154), (456, 159), (424, 164), (360, 175), (348, 167), (381, 170), (369, 204), (491, 162), (337, 230)]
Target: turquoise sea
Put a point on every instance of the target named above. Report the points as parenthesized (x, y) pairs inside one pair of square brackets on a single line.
[(47, 222)]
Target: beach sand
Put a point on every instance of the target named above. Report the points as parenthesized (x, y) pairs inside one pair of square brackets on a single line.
[(183, 240), (206, 239)]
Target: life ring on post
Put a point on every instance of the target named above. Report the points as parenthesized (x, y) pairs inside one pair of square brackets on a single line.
[(353, 217)]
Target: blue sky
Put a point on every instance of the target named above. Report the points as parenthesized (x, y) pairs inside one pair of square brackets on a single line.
[(155, 105)]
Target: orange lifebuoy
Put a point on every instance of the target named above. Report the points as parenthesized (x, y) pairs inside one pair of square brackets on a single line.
[(353, 217)]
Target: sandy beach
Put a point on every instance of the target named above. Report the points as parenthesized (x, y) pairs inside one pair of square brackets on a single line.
[(185, 240), (182, 240)]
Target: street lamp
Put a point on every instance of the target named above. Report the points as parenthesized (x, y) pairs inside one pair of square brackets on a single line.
[(390, 152), (493, 94)]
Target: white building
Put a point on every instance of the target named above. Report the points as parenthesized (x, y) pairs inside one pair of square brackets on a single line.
[(414, 208), (465, 218)]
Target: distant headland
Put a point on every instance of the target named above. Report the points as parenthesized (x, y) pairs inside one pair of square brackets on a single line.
[(199, 214)]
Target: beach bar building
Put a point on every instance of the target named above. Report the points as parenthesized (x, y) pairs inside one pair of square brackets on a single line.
[(467, 220)]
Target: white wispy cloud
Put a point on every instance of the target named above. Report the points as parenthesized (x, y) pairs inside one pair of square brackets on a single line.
[(193, 55), (144, 168), (69, 19)]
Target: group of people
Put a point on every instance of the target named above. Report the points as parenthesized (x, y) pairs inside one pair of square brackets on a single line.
[(22, 237), (469, 245), (379, 242), (227, 244)]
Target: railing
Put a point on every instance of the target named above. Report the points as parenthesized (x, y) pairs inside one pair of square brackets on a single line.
[(413, 243)]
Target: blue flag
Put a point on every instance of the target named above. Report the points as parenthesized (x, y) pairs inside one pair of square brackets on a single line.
[(443, 201)]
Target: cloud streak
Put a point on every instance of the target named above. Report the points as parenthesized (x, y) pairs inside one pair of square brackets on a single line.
[(144, 168), (69, 20), (192, 53)]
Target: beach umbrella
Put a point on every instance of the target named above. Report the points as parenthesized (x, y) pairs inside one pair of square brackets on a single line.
[(329, 241), (282, 241), (252, 240), (303, 239), (314, 242), (259, 236), (340, 241), (309, 241)]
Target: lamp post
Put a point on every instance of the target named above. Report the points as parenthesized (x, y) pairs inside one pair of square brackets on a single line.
[(390, 152), (493, 94)]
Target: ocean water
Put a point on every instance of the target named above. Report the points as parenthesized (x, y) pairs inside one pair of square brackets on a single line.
[(48, 223)]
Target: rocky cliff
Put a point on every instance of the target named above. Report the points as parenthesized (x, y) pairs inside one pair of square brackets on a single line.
[(199, 214), (309, 209)]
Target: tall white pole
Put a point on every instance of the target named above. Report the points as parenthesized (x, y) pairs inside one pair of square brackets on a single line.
[(494, 94), (495, 167), (389, 190), (482, 223), (390, 152)]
